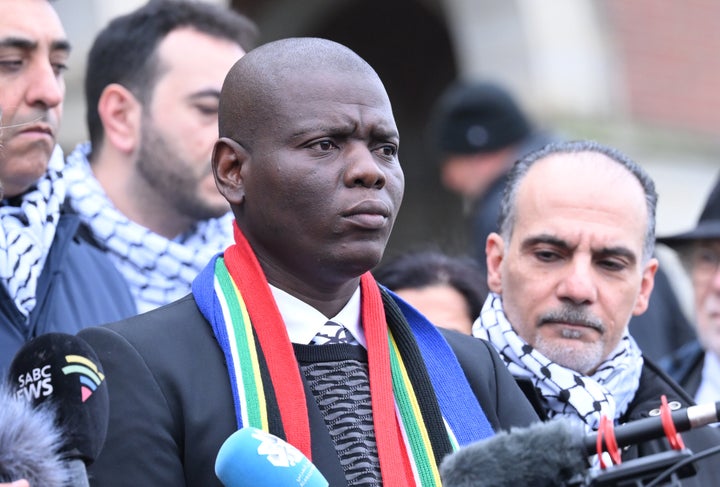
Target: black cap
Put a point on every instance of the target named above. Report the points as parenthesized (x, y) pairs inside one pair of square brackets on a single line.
[(708, 226), (476, 117)]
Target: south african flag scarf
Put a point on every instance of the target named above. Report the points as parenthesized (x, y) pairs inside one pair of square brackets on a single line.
[(423, 407)]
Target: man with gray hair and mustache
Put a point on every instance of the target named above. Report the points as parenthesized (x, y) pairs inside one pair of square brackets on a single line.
[(571, 265)]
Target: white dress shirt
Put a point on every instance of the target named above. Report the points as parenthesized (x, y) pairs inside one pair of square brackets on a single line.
[(709, 390), (303, 321)]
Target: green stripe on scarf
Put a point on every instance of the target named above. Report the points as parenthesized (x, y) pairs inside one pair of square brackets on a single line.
[(243, 347), (417, 435)]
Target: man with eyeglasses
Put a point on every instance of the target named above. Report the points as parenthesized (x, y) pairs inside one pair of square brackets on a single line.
[(696, 366)]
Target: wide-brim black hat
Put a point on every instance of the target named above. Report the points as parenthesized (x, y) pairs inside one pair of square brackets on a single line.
[(708, 226)]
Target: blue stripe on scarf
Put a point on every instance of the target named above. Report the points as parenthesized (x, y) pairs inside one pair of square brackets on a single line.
[(458, 403), (203, 289)]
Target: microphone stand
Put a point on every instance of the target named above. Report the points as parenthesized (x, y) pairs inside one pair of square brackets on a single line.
[(641, 472), (664, 468)]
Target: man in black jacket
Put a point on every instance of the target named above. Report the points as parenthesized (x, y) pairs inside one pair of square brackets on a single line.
[(287, 330), (571, 264)]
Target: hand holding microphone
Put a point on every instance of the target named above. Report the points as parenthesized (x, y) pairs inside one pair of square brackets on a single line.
[(252, 457)]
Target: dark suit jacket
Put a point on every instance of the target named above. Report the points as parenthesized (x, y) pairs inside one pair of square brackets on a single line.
[(171, 404), (685, 366), (78, 287)]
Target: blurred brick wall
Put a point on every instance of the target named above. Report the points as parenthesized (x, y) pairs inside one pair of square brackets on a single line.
[(670, 54)]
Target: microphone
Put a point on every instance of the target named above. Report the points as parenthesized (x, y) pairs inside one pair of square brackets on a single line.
[(543, 454), (63, 370), (30, 443), (556, 452), (251, 457), (651, 428)]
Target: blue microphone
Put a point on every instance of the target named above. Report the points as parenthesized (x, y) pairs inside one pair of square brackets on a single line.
[(251, 457)]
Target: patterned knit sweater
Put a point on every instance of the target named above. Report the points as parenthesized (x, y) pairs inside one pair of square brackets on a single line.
[(338, 378)]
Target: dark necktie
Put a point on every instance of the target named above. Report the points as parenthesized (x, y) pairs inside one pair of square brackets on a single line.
[(333, 333)]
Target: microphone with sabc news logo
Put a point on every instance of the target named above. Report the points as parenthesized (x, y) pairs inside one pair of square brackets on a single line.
[(63, 370)]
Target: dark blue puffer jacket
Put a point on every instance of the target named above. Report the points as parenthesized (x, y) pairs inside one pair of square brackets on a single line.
[(77, 288)]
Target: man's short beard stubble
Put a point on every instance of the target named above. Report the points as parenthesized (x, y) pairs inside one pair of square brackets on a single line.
[(583, 359), (179, 187)]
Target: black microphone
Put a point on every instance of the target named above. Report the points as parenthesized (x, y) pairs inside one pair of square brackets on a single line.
[(651, 428), (556, 452), (30, 443), (542, 454), (64, 370)]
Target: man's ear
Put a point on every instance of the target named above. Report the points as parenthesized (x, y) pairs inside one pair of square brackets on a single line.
[(494, 251), (228, 159), (121, 116), (646, 286)]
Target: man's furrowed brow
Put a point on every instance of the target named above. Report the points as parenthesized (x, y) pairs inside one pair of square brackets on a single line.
[(324, 128), (28, 44), (546, 240), (18, 43), (61, 45), (383, 134), (618, 251)]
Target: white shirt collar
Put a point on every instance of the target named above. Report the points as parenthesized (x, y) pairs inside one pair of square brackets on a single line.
[(303, 321)]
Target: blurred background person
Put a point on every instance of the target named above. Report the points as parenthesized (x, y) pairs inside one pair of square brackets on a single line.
[(479, 131), (53, 277), (696, 366), (144, 183), (448, 290)]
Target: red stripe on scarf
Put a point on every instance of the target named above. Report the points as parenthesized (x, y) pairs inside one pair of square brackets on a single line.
[(274, 342), (243, 266), (394, 463)]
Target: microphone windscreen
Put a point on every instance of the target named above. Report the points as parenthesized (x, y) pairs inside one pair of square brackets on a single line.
[(542, 454), (251, 457), (64, 370), (30, 443)]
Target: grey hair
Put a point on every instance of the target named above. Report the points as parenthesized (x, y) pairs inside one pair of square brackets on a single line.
[(508, 210)]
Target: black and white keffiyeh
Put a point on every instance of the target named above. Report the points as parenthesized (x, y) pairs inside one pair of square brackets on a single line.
[(608, 391), (27, 230), (157, 270)]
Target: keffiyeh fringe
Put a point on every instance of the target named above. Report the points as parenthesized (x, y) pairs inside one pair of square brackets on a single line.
[(608, 391), (157, 270)]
